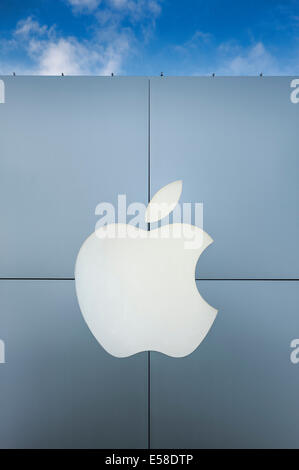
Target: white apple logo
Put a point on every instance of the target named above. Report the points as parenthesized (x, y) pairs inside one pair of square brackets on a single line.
[(138, 292)]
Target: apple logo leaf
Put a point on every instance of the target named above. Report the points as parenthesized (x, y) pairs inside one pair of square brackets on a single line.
[(164, 201)]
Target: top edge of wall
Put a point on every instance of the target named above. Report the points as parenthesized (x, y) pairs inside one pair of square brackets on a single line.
[(149, 76)]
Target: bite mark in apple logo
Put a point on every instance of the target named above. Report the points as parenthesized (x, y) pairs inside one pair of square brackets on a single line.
[(138, 292)]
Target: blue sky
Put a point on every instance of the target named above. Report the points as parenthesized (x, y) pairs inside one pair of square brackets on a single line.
[(145, 37)]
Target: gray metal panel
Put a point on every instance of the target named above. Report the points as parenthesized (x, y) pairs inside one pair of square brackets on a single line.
[(234, 143), (239, 388), (66, 144), (58, 387)]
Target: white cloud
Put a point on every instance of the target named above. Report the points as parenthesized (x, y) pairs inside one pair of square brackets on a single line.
[(198, 40), (63, 55), (69, 56), (118, 30), (137, 8), (248, 61), (51, 54), (29, 26), (84, 5), (202, 55)]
